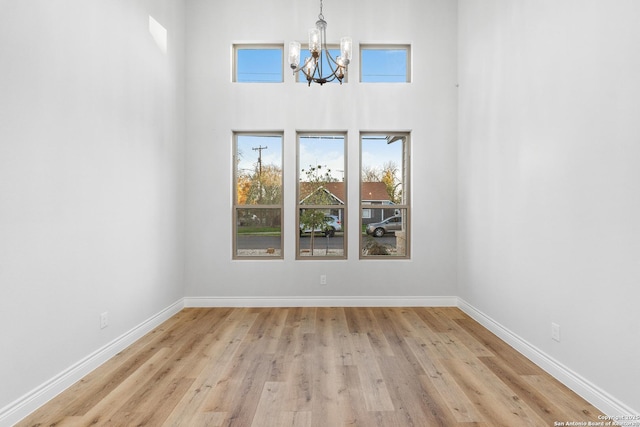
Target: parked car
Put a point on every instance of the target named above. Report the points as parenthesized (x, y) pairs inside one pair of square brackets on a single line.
[(329, 228), (389, 225)]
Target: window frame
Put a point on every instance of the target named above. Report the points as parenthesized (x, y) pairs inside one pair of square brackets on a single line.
[(236, 207), (380, 46), (406, 196), (343, 207), (235, 47)]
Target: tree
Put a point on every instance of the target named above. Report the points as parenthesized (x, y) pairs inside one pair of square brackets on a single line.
[(370, 174), (243, 186), (315, 194), (388, 174), (391, 182), (261, 186), (265, 186)]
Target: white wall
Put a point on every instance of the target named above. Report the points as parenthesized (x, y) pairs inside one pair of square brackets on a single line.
[(91, 168), (216, 106), (91, 177), (549, 179)]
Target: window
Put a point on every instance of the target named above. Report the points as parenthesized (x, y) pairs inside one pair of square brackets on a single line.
[(321, 196), (258, 64), (385, 64), (305, 54), (257, 196), (384, 195)]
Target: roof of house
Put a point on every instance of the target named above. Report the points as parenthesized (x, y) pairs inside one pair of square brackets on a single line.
[(374, 191), (371, 191)]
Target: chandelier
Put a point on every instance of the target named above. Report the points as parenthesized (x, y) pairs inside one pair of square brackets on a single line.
[(315, 66)]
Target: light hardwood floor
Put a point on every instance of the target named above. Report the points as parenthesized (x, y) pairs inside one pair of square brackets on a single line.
[(317, 367)]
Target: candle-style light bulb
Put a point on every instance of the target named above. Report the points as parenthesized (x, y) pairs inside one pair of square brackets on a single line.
[(346, 49), (314, 41), (294, 54)]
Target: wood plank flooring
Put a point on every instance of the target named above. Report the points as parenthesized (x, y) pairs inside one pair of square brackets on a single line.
[(259, 367)]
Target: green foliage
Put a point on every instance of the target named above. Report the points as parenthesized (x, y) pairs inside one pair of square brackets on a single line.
[(313, 219)]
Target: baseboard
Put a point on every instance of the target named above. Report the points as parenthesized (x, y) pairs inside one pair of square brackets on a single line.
[(22, 407), (580, 385), (319, 301)]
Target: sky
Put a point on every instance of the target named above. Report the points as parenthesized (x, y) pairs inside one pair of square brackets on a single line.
[(266, 64), (272, 155), (326, 151)]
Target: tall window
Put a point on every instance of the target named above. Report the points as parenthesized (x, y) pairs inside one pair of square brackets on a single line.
[(385, 63), (321, 196), (257, 63), (257, 195), (384, 195)]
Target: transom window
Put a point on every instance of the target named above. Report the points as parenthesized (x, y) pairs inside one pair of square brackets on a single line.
[(258, 63), (385, 63)]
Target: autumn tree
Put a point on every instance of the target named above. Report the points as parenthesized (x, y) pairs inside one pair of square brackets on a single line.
[(243, 186), (260, 186), (265, 186), (391, 182)]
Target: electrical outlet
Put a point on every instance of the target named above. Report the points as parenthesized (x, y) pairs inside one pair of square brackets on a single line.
[(104, 320), (323, 279), (555, 332)]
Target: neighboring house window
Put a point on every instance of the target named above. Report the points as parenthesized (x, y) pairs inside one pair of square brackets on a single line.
[(321, 196), (305, 54), (258, 63), (257, 193), (384, 195), (385, 63)]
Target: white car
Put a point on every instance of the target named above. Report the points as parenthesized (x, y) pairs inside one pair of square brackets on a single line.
[(332, 224)]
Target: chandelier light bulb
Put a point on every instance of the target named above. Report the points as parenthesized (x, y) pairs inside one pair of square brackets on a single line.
[(309, 68), (314, 40), (294, 54), (346, 48)]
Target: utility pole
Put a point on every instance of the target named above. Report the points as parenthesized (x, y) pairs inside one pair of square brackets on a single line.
[(259, 149)]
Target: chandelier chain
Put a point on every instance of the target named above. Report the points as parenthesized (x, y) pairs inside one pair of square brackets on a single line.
[(320, 55)]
